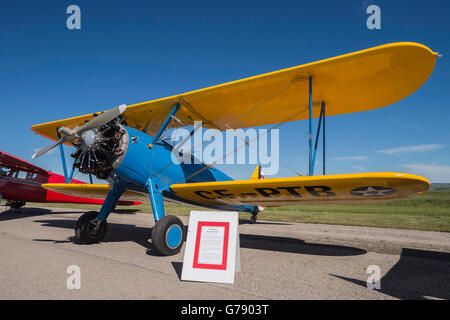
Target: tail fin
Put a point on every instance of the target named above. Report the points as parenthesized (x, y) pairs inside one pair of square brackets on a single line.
[(258, 174)]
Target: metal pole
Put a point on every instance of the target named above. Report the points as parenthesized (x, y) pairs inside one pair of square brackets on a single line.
[(166, 123), (63, 158), (317, 141), (323, 133), (310, 125), (71, 174)]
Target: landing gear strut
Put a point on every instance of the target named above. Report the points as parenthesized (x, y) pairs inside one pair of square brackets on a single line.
[(168, 233), (253, 217), (92, 226)]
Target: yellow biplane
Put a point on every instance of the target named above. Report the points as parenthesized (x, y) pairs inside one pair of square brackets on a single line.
[(124, 145)]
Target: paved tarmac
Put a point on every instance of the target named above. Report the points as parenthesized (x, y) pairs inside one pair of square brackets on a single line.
[(278, 261)]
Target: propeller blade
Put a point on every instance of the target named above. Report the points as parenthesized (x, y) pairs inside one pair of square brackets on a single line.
[(102, 119), (47, 149), (70, 135)]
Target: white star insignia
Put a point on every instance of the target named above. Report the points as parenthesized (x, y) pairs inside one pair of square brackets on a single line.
[(372, 192)]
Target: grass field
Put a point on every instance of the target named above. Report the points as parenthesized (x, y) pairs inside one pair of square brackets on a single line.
[(429, 211)]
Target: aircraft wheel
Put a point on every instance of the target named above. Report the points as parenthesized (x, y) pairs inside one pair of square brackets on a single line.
[(90, 230), (253, 218), (15, 204), (168, 235)]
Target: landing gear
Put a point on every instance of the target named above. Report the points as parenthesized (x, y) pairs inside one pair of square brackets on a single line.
[(253, 218), (15, 204), (92, 226), (89, 229), (168, 235)]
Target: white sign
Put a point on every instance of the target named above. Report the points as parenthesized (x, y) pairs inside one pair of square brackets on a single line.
[(212, 247)]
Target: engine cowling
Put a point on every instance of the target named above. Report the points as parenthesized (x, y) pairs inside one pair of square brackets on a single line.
[(100, 150)]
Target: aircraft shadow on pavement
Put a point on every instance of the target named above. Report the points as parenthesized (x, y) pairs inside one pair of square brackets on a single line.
[(125, 211), (418, 275), (141, 235), (245, 221), (293, 245), (30, 212), (116, 232), (23, 213)]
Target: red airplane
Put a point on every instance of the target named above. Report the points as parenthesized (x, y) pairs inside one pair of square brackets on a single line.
[(20, 182)]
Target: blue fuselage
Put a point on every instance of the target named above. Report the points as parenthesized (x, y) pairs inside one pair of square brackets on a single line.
[(146, 160)]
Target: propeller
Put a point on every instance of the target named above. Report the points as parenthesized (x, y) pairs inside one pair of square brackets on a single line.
[(70, 135)]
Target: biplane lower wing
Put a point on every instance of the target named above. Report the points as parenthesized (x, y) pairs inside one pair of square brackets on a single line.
[(94, 191), (331, 189)]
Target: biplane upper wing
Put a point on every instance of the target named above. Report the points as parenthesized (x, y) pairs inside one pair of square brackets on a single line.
[(332, 189), (94, 191), (359, 81)]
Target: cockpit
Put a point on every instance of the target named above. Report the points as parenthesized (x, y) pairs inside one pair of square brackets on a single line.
[(17, 173)]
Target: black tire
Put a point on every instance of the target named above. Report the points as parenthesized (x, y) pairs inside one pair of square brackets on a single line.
[(168, 235), (85, 232), (15, 204)]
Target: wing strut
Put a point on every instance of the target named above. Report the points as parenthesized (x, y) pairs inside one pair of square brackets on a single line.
[(166, 123), (310, 170), (67, 178), (323, 137), (312, 154), (321, 119)]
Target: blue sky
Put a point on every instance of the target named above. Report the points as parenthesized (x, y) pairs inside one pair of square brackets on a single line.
[(134, 51)]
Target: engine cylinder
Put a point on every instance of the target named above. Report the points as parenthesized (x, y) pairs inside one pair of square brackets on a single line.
[(100, 150)]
